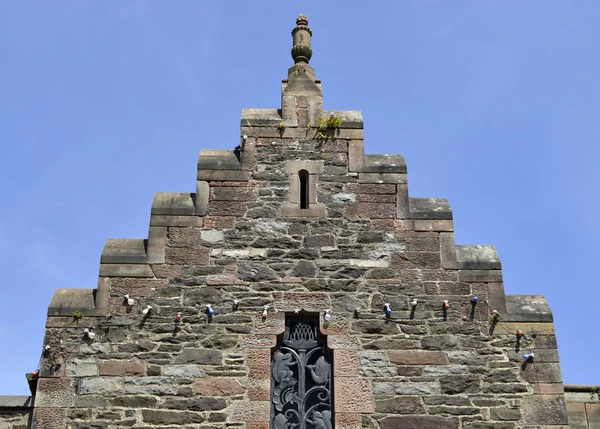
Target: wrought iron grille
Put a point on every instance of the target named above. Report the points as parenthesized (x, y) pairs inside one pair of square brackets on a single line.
[(301, 382)]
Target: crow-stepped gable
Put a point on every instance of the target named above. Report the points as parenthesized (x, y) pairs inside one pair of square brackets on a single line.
[(299, 286)]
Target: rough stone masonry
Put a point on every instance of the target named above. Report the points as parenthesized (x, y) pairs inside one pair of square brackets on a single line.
[(300, 219)]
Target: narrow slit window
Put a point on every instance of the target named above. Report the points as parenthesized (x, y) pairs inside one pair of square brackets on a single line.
[(304, 189)]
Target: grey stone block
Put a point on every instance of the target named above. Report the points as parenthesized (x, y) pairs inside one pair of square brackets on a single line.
[(497, 297), (67, 301), (545, 410), (172, 203), (16, 402), (125, 270), (124, 251), (224, 175), (480, 276), (86, 367), (477, 257), (382, 178), (448, 249), (260, 118), (527, 308), (350, 118), (211, 159), (430, 208), (166, 220), (384, 164), (313, 167), (202, 197), (157, 240)]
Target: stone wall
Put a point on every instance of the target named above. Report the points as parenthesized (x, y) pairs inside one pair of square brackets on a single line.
[(362, 243), (299, 219), (15, 412), (583, 406)]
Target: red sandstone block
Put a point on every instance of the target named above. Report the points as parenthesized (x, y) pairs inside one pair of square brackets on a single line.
[(183, 236), (257, 425), (371, 210), (346, 363), (259, 372), (55, 392), (119, 368), (162, 271), (383, 224), (418, 358), (219, 222), (273, 324), (370, 188), (353, 395), (233, 194), (376, 198), (218, 386), (259, 390), (250, 411), (183, 256), (260, 341), (258, 357), (49, 418), (347, 420), (411, 260), (548, 389), (225, 208), (302, 101)]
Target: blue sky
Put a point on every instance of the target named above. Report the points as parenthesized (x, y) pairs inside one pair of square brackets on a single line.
[(495, 106)]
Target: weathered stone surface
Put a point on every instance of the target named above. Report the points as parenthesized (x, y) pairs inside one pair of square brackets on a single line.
[(399, 405), (99, 386), (160, 417), (195, 404), (193, 371), (255, 272), (353, 394), (418, 358), (545, 410), (421, 422), (218, 386), (121, 368), (200, 357), (250, 411), (86, 367)]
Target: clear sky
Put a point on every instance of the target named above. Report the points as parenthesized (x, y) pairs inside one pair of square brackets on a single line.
[(494, 104)]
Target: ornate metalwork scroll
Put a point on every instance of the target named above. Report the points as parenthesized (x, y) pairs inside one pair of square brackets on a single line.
[(301, 382)]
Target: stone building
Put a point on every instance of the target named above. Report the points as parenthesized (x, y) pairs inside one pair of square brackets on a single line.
[(299, 286)]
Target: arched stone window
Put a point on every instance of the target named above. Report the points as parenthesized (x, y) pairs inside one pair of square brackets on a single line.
[(303, 190)]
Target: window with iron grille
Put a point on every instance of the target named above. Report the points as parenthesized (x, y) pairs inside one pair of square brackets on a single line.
[(301, 377)]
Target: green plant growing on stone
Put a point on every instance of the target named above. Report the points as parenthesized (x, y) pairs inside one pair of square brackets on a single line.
[(281, 127), (596, 392), (327, 126), (77, 315)]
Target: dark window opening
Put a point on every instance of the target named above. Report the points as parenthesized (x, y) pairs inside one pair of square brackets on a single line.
[(304, 189), (301, 380)]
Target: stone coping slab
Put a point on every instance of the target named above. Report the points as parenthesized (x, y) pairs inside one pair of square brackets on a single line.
[(16, 402)]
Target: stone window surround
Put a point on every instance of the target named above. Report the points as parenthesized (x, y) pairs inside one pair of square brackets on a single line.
[(292, 208), (353, 394)]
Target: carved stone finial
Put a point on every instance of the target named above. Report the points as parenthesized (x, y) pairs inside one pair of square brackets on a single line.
[(301, 51)]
